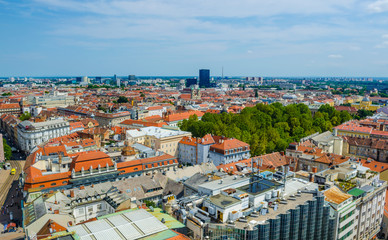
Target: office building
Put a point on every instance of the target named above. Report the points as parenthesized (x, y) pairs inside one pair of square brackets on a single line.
[(131, 77), (264, 209), (191, 81), (204, 78), (116, 80)]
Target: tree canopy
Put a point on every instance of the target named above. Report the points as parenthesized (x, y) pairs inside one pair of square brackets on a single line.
[(25, 116), (267, 128), (7, 150), (122, 99)]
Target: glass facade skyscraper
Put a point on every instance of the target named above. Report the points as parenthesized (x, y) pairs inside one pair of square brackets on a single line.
[(204, 78)]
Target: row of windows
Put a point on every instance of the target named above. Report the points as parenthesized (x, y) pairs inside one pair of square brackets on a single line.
[(347, 216), (346, 226), (347, 235)]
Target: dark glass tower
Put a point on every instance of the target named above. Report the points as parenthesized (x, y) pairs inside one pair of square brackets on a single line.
[(204, 78)]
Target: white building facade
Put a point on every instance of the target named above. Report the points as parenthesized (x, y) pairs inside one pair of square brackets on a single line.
[(31, 134)]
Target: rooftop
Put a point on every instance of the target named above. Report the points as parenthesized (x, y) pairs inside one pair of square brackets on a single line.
[(133, 224), (334, 195), (223, 201)]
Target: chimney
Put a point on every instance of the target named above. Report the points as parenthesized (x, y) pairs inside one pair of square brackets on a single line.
[(82, 187), (56, 211)]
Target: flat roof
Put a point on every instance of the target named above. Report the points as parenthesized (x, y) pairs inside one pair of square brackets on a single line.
[(260, 186), (356, 192), (134, 224), (226, 181), (223, 201)]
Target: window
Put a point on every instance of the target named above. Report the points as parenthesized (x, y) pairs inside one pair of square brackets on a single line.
[(90, 209), (99, 207), (53, 184), (64, 182), (41, 186), (81, 211)]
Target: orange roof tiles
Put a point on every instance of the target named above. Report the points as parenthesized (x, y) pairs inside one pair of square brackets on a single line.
[(272, 160), (226, 144), (352, 126), (334, 195), (9, 105), (142, 123), (184, 115), (374, 165)]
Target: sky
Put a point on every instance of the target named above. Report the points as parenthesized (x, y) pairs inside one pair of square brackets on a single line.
[(178, 37)]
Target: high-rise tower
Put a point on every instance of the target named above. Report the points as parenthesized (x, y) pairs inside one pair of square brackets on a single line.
[(204, 78)]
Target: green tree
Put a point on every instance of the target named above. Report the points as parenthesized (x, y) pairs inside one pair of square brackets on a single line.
[(25, 116), (266, 128), (122, 99), (7, 150), (362, 113), (6, 94)]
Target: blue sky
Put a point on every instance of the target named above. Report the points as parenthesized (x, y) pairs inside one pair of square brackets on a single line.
[(178, 37)]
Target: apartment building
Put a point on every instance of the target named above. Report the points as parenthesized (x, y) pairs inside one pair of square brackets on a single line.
[(163, 139), (31, 134), (357, 196), (227, 150)]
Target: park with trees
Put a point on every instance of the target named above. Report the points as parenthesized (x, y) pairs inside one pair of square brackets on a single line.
[(267, 128)]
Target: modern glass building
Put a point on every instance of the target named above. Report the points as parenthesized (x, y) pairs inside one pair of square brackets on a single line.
[(204, 78), (309, 220)]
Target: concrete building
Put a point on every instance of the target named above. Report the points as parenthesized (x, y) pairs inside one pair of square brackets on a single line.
[(366, 147), (31, 134), (357, 197), (228, 150), (10, 108), (2, 158), (265, 209), (195, 150), (327, 142), (111, 119), (163, 139), (54, 99)]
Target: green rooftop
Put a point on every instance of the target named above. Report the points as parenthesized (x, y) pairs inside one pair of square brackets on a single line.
[(169, 221), (356, 192)]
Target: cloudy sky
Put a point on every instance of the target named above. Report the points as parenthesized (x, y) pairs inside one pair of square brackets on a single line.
[(178, 37)]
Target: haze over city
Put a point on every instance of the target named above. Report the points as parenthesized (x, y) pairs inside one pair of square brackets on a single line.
[(175, 38)]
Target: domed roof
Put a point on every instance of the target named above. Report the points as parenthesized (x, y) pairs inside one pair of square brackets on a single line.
[(365, 99)]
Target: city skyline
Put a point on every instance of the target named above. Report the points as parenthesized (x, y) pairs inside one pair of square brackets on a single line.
[(150, 38)]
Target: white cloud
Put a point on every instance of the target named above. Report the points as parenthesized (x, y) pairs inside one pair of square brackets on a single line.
[(385, 36), (249, 51), (335, 56), (384, 44), (378, 6)]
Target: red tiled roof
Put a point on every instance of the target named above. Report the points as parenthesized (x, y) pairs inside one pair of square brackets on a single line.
[(142, 123), (9, 105), (226, 144), (374, 165), (180, 116), (272, 160)]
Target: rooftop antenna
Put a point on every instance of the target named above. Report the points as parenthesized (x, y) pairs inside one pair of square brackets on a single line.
[(222, 77)]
